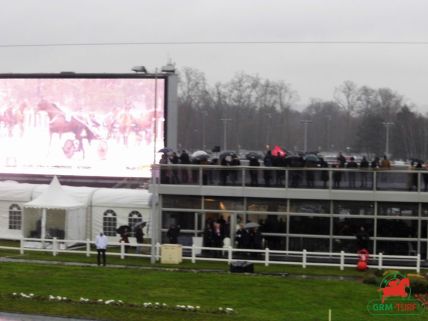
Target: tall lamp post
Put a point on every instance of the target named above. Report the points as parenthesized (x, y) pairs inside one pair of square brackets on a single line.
[(269, 128), (328, 117), (225, 120), (305, 144), (204, 115), (387, 125)]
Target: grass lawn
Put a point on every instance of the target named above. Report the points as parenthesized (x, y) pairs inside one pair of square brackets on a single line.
[(253, 297)]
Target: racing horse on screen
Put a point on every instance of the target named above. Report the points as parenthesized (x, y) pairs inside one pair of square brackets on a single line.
[(61, 123)]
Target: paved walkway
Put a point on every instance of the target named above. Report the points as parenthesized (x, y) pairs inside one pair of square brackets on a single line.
[(30, 317)]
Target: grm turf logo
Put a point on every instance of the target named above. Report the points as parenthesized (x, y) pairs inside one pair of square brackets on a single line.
[(395, 297)]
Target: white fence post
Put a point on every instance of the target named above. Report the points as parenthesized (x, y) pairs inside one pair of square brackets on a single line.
[(229, 254), (157, 251), (21, 246), (418, 263), (342, 260), (267, 256), (380, 261), (88, 247), (193, 253), (54, 246), (122, 250), (304, 259)]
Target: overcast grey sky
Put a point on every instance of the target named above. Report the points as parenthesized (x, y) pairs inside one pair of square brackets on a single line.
[(313, 70)]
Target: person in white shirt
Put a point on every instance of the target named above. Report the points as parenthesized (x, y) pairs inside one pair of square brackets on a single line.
[(101, 243)]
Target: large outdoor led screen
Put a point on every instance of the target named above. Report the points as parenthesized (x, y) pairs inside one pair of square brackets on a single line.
[(102, 126)]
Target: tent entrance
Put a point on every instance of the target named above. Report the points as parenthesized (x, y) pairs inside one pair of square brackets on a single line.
[(44, 224)]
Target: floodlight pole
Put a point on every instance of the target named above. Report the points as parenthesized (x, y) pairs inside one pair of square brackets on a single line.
[(204, 114), (387, 125), (306, 123), (269, 126), (225, 120)]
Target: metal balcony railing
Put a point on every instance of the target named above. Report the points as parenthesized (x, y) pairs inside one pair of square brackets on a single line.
[(291, 177)]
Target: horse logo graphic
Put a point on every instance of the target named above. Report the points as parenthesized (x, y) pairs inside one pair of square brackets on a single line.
[(395, 288)]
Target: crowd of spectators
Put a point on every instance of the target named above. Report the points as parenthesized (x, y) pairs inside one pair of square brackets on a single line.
[(304, 171)]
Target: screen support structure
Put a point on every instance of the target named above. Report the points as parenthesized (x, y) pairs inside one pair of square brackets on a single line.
[(155, 127)]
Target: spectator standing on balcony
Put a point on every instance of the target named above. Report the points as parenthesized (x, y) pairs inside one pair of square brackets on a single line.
[(164, 177), (234, 173), (337, 174), (224, 173), (324, 174), (425, 178), (374, 165), (173, 159), (184, 160), (385, 164), (267, 162), (364, 166), (341, 160), (254, 173), (352, 165)]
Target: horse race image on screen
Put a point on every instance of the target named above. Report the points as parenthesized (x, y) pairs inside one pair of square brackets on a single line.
[(80, 126)]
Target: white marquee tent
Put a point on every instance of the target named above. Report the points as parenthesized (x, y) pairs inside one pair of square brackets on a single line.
[(66, 211), (54, 213)]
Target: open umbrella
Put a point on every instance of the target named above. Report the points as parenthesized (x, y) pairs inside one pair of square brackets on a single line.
[(140, 224), (294, 160), (226, 153), (121, 229), (278, 152), (311, 158), (200, 154), (253, 155), (165, 150), (251, 225)]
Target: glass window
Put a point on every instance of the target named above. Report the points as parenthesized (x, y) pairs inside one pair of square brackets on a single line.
[(134, 218), (309, 225), (398, 209), (353, 208), (186, 220), (266, 205), (424, 209), (309, 206), (15, 215), (224, 203), (179, 201), (269, 223), (397, 248), (309, 244), (351, 226), (349, 246), (109, 223), (424, 229), (397, 228)]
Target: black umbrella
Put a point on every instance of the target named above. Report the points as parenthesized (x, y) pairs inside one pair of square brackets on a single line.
[(227, 153), (253, 155), (165, 150), (200, 155), (140, 224), (311, 158), (294, 160), (122, 229)]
